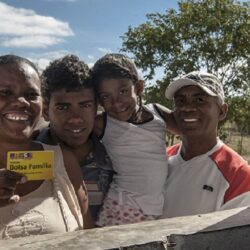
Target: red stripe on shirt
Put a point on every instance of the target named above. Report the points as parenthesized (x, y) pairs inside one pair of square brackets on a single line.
[(173, 150), (235, 170)]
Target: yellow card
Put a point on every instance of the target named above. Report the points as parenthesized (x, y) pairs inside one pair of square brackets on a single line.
[(36, 165)]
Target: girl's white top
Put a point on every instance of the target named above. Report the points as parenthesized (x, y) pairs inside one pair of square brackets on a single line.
[(138, 154)]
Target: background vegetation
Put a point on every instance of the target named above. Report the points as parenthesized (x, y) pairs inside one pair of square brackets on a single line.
[(209, 35)]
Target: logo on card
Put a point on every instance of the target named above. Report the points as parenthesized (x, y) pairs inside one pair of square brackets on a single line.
[(21, 156)]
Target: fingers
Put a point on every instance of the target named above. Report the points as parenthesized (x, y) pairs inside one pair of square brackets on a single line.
[(8, 181), (7, 197), (14, 199), (5, 193), (11, 175)]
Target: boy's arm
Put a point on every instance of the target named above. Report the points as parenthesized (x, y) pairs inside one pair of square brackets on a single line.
[(168, 117), (76, 178)]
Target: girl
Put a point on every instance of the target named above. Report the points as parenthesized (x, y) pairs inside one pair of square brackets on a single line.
[(134, 137)]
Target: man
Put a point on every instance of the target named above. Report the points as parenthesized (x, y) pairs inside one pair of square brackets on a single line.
[(70, 107), (205, 175)]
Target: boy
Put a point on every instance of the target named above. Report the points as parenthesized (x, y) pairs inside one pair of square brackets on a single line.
[(70, 107)]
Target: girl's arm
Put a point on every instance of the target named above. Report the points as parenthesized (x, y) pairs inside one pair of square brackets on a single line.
[(75, 175), (99, 124), (168, 116)]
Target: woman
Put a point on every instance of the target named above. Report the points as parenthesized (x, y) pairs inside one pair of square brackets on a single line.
[(43, 206)]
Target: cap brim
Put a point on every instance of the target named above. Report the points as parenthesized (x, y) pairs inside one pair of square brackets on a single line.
[(174, 86)]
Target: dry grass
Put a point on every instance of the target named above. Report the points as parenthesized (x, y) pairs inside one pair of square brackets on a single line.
[(234, 142)]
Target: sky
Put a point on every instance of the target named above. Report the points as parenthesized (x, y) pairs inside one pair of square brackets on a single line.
[(44, 30)]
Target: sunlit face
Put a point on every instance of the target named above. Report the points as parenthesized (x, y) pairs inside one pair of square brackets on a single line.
[(20, 101), (118, 97), (197, 113), (71, 115)]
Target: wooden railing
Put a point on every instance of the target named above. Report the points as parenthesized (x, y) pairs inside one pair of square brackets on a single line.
[(229, 230)]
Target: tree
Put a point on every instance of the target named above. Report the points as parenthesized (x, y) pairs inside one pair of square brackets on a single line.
[(211, 35)]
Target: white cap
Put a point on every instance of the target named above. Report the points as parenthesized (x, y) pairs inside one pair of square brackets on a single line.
[(206, 81)]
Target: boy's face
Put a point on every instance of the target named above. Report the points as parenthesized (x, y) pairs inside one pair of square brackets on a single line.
[(118, 96), (71, 115)]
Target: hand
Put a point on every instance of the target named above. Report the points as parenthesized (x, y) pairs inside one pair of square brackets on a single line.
[(8, 181)]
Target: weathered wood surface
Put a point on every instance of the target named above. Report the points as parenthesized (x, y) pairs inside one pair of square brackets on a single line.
[(236, 238), (219, 230)]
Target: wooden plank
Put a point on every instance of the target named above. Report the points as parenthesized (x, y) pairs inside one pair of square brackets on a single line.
[(237, 238), (145, 235)]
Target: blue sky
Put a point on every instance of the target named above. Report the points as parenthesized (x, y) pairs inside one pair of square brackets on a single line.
[(43, 30)]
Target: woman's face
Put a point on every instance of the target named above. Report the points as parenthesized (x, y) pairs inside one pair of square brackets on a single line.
[(20, 101)]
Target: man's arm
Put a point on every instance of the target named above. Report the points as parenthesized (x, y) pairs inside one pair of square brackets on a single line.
[(236, 171), (168, 117)]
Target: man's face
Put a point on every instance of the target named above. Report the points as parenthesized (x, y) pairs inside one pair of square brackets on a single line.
[(197, 113), (71, 115)]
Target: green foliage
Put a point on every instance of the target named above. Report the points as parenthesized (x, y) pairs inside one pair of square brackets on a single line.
[(239, 108), (223, 134), (211, 35)]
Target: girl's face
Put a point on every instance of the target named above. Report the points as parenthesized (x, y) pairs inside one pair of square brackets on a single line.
[(118, 96), (20, 101)]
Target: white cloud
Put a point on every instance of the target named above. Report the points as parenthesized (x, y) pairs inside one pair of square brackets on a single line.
[(42, 60), (91, 57), (54, 54), (41, 63), (104, 50), (90, 65), (24, 28), (31, 41)]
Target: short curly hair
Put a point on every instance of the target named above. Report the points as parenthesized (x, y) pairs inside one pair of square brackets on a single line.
[(114, 66), (69, 73)]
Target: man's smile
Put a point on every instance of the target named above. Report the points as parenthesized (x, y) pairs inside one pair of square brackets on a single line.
[(190, 120)]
